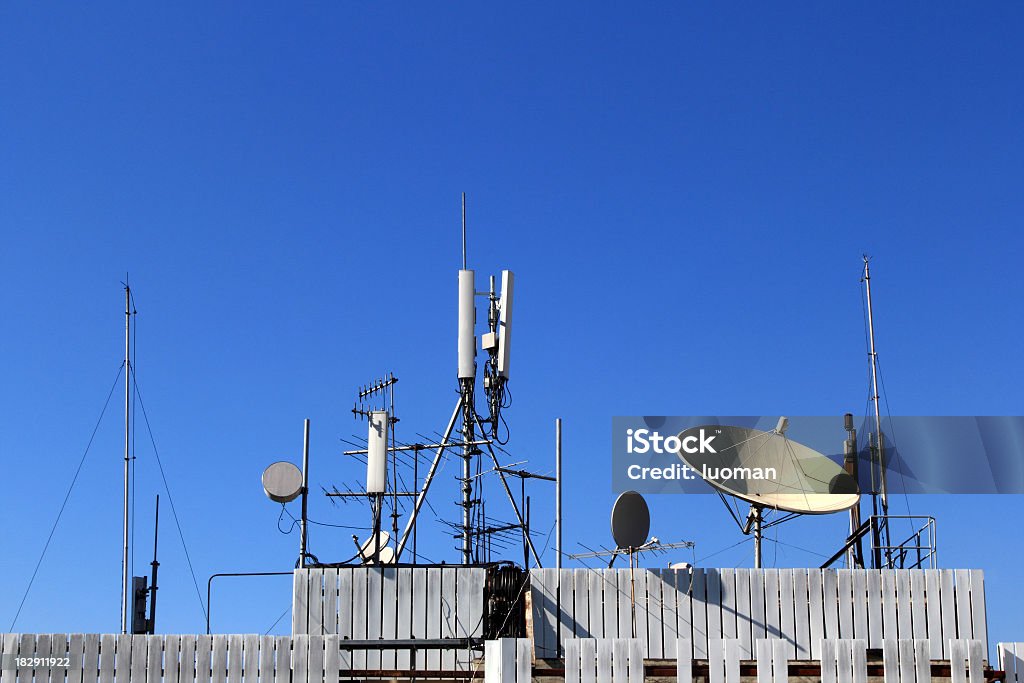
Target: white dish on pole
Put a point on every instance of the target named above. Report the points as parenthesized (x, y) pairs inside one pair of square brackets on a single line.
[(282, 482), (767, 469)]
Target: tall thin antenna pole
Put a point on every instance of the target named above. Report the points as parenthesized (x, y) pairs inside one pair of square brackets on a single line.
[(127, 443), (467, 382), (155, 565), (305, 492), (758, 561), (874, 387), (558, 493), (873, 355)]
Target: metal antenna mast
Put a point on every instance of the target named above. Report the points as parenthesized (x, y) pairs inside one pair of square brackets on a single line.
[(303, 529), (127, 447), (467, 382), (468, 449), (883, 488), (558, 493)]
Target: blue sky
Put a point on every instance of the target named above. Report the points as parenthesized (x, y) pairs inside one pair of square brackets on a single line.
[(683, 191)]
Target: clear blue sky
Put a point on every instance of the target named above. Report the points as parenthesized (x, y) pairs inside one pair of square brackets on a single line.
[(683, 190)]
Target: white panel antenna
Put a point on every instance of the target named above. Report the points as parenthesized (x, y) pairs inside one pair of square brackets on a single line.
[(467, 324), (377, 453), (505, 323)]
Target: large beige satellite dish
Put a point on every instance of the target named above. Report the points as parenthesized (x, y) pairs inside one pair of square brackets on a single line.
[(767, 469)]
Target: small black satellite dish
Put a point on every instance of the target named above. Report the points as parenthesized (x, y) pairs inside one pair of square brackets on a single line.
[(631, 520)]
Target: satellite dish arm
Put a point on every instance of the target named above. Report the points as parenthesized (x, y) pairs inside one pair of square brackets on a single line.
[(752, 518), (615, 555)]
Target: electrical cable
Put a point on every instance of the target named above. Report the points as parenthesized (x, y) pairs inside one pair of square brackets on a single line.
[(718, 552), (67, 495), (167, 488), (888, 412), (797, 547), (277, 621), (312, 521), (280, 517)]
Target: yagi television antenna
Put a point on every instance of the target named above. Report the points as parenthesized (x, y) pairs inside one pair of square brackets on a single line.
[(769, 470)]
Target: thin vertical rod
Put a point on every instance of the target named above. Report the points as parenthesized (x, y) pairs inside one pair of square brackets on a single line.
[(757, 537), (394, 457), (526, 531), (468, 410), (632, 591), (415, 485), (305, 493), (874, 389), (155, 565), (127, 443), (876, 543), (558, 493)]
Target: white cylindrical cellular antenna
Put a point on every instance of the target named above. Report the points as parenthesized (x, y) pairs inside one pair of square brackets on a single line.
[(467, 324), (505, 323), (377, 453)]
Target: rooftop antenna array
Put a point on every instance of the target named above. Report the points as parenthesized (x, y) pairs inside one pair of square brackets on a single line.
[(476, 530), (470, 436)]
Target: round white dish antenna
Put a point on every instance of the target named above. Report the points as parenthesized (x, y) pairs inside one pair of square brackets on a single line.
[(282, 482), (631, 520), (768, 469), (378, 542), (387, 555)]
